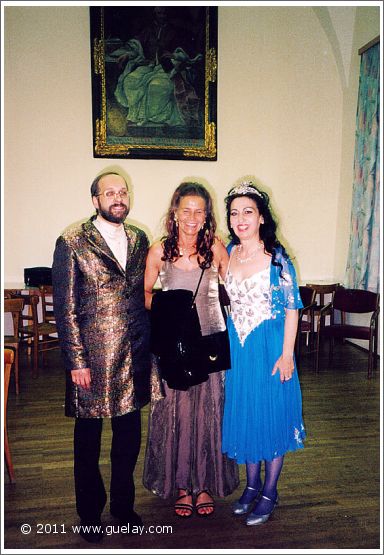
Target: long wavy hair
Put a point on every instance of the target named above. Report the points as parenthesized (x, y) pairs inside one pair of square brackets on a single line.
[(267, 229), (205, 236)]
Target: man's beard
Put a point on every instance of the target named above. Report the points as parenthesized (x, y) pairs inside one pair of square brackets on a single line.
[(110, 217)]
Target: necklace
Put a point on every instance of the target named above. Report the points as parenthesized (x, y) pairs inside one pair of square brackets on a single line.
[(250, 257), (187, 251)]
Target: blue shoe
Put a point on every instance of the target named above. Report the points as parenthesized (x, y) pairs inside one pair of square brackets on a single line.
[(243, 508), (256, 519)]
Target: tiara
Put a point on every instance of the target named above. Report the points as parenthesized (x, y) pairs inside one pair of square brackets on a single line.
[(244, 188)]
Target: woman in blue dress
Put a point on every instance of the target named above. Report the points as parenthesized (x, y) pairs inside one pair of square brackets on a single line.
[(262, 411)]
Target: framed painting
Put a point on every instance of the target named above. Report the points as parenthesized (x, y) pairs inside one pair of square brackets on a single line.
[(154, 82)]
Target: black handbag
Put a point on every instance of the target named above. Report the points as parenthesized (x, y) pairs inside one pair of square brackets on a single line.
[(185, 356)]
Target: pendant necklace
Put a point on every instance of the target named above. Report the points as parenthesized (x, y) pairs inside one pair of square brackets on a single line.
[(250, 257), (185, 252)]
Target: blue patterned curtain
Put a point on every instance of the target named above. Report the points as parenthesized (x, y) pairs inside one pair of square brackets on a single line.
[(363, 266)]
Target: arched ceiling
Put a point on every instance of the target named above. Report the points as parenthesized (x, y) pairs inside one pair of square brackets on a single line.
[(338, 23)]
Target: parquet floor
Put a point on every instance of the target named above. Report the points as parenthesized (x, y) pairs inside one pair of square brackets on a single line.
[(329, 491)]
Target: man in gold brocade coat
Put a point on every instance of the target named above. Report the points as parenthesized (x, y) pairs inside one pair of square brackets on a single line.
[(104, 333)]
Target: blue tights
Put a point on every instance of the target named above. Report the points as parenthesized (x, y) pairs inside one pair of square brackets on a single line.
[(269, 489)]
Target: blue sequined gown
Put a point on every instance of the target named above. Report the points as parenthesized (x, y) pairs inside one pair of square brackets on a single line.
[(262, 416)]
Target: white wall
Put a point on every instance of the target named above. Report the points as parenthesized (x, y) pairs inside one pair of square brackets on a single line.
[(285, 116)]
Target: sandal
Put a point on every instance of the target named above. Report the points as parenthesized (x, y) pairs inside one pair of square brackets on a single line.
[(205, 505), (183, 506)]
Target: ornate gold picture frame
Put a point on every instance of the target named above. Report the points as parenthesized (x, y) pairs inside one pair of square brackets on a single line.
[(154, 82)]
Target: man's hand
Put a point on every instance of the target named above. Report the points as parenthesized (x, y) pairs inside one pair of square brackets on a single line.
[(82, 377)]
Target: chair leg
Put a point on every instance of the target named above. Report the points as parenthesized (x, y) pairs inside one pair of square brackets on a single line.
[(369, 375), (35, 356), (16, 370), (45, 341), (8, 459), (370, 357), (317, 350), (331, 347), (311, 334), (375, 355)]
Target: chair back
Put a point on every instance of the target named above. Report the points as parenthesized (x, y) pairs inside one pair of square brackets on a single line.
[(46, 294), (307, 295), (15, 307), (323, 289), (43, 334), (356, 301), (31, 316)]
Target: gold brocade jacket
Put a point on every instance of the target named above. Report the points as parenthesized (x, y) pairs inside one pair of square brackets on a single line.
[(102, 322)]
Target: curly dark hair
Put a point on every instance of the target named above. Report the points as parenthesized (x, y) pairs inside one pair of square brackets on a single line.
[(267, 229), (205, 236)]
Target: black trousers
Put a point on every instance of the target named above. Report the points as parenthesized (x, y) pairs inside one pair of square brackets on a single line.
[(91, 496)]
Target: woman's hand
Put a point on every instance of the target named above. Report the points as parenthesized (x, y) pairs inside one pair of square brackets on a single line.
[(286, 367), (285, 363)]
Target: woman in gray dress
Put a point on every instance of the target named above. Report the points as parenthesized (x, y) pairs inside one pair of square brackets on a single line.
[(183, 455)]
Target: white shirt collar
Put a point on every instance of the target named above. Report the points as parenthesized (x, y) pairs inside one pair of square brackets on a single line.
[(106, 228)]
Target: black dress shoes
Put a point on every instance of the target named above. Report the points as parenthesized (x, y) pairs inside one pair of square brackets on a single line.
[(134, 519), (91, 532), (128, 520)]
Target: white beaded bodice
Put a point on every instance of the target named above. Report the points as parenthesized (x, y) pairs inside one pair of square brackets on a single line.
[(250, 301)]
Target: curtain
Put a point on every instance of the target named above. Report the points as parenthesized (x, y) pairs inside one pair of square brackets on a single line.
[(363, 266)]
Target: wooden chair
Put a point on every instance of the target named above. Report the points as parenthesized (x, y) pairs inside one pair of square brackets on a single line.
[(8, 361), (351, 301), (28, 328), (46, 295), (48, 320), (306, 320), (42, 335), (320, 291), (15, 308)]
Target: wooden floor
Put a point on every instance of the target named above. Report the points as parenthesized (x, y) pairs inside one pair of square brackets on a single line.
[(329, 491)]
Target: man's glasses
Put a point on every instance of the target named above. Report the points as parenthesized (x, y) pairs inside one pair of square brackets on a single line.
[(123, 194)]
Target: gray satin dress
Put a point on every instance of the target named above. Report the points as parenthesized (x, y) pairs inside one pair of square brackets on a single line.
[(184, 429)]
